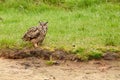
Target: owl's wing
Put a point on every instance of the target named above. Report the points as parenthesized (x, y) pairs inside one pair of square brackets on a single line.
[(32, 33)]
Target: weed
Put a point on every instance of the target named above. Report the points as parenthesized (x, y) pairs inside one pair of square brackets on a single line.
[(95, 54), (49, 62)]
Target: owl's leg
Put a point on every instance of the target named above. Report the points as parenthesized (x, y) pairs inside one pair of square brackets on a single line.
[(35, 45)]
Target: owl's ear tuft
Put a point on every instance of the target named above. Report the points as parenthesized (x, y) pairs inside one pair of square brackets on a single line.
[(45, 23), (40, 22)]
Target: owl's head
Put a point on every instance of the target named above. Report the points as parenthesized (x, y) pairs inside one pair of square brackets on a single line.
[(43, 25)]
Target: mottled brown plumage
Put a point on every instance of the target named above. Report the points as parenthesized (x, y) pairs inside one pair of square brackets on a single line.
[(37, 34)]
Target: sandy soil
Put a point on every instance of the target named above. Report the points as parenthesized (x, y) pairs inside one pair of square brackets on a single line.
[(36, 69)]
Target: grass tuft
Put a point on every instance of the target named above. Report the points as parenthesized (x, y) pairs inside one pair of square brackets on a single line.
[(95, 54)]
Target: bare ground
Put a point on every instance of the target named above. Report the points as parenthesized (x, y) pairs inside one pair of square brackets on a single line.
[(33, 68), (32, 65)]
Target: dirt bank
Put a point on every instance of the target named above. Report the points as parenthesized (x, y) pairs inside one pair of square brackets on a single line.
[(56, 54)]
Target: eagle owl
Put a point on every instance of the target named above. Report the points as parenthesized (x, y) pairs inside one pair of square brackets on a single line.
[(36, 34)]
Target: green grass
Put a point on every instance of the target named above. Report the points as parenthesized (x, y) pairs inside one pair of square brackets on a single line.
[(88, 25)]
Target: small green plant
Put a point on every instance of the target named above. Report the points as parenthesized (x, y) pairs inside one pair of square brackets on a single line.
[(49, 62), (78, 50), (95, 54), (83, 57)]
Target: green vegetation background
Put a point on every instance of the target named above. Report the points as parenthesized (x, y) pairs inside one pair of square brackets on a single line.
[(77, 25)]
